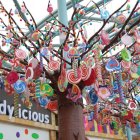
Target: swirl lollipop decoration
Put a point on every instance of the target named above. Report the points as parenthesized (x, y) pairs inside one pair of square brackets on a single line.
[(46, 89), (14, 62), (120, 89), (20, 54), (19, 86), (98, 66), (104, 13)]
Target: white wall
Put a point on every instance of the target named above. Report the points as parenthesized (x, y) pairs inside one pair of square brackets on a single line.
[(10, 130)]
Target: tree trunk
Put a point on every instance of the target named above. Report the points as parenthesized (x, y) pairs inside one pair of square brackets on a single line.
[(70, 119)]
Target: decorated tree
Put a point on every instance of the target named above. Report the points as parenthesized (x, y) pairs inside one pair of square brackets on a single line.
[(103, 69)]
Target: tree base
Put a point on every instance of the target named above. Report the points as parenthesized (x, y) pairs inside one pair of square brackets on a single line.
[(70, 119)]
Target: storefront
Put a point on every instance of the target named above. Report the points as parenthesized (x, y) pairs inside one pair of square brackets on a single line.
[(37, 123)]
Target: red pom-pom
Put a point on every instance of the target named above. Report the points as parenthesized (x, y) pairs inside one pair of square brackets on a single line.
[(91, 79)]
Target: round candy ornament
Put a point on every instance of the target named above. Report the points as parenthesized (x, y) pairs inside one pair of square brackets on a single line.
[(34, 63), (73, 53), (112, 65), (46, 89), (52, 105), (43, 101), (74, 93), (93, 97), (0, 63), (91, 79), (72, 79), (127, 40), (29, 73), (126, 55), (132, 105), (44, 51), (50, 8), (9, 89), (20, 54), (54, 65), (103, 92), (104, 37), (37, 72), (62, 84), (35, 36), (19, 86), (85, 70), (126, 64), (121, 19), (12, 77), (104, 13)]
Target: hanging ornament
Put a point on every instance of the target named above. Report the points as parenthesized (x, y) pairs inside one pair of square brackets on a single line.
[(41, 61), (44, 51), (73, 53), (92, 78), (74, 93), (12, 77), (104, 37), (20, 54), (104, 13), (43, 101), (37, 88), (9, 27), (75, 67), (35, 36), (98, 65), (37, 72), (50, 8), (62, 80), (93, 97), (121, 19), (9, 35), (120, 89), (15, 43), (29, 73), (85, 70), (125, 64), (46, 89), (23, 9), (126, 55), (132, 105), (127, 40), (16, 107), (33, 63), (8, 88), (19, 86), (112, 65), (71, 76), (54, 64), (52, 105), (137, 36), (103, 92), (0, 63), (14, 62)]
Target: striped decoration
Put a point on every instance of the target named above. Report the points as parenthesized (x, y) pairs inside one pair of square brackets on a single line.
[(75, 66), (37, 87), (120, 89), (98, 66), (16, 107)]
